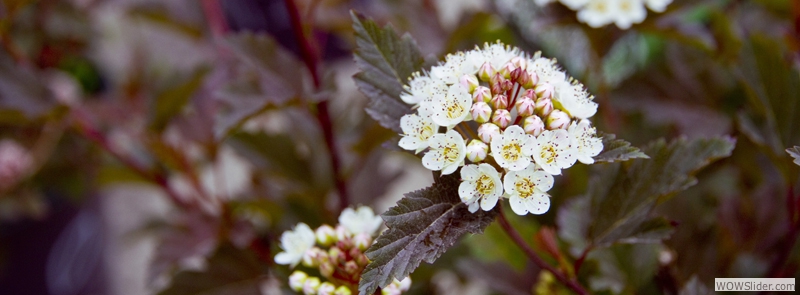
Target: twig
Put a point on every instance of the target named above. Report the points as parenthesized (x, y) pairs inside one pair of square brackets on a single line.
[(86, 130), (571, 283), (311, 59)]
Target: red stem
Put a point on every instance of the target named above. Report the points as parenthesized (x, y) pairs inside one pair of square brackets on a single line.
[(571, 283), (581, 259), (311, 59)]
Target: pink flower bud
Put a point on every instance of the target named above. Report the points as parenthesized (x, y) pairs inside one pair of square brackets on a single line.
[(351, 267), (486, 72), (497, 79), (297, 279), (311, 285), (502, 118), (533, 125), (482, 94), (470, 82), (534, 79), (326, 235), (557, 120), (481, 112), (519, 62), (544, 106), (524, 79), (487, 131), (497, 88), (342, 290), (326, 288), (515, 74), (506, 70), (525, 106), (507, 85), (327, 269), (499, 101), (336, 255), (362, 241), (544, 90), (477, 151)]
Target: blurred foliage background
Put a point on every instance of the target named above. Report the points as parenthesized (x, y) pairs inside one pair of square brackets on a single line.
[(148, 146)]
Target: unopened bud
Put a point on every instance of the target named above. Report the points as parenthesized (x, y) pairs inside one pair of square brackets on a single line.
[(506, 70), (544, 106), (405, 284), (525, 106), (482, 93), (502, 118), (297, 279), (477, 151), (326, 288), (557, 120), (544, 90), (515, 74), (362, 241), (336, 255), (524, 79), (342, 233), (497, 88), (351, 267), (326, 269), (342, 290), (519, 62), (361, 259), (533, 79), (326, 235), (533, 125), (507, 85), (311, 257), (499, 101), (497, 79), (470, 82), (481, 112), (311, 285), (487, 131), (486, 72)]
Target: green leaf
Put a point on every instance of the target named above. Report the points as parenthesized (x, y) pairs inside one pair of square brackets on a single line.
[(795, 153), (620, 207), (170, 102), (422, 226), (616, 150), (386, 62), (229, 271)]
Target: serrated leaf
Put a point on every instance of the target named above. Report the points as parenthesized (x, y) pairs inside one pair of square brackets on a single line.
[(622, 197), (615, 150), (229, 271), (386, 62), (171, 101), (795, 153), (423, 225)]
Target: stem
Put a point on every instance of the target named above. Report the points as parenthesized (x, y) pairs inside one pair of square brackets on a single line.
[(87, 131), (311, 60), (515, 236), (581, 259)]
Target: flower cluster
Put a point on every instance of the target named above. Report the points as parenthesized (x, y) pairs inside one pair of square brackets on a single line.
[(530, 122), (337, 252), (623, 13)]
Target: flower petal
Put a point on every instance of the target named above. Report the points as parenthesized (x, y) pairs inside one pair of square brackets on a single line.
[(516, 205), (538, 204)]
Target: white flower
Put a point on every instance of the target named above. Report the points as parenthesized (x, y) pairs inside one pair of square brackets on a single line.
[(417, 131), (421, 88), (573, 99), (455, 66), (553, 151), (586, 144), (574, 4), (512, 149), (498, 54), (546, 71), (629, 12), (447, 152), (452, 108), (295, 243), (359, 221), (480, 183), (527, 189), (657, 5), (598, 13)]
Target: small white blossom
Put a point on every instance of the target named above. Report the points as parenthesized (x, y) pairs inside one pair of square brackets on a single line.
[(512, 150), (397, 287), (480, 187), (447, 152), (417, 130), (452, 108), (573, 99), (547, 71), (586, 144), (498, 54), (657, 5), (598, 13), (362, 220), (629, 12), (455, 66), (552, 151), (295, 243), (297, 279), (527, 189)]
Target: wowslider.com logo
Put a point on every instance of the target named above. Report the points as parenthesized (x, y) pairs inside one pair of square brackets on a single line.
[(754, 284)]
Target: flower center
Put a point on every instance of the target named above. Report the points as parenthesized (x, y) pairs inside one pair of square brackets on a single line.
[(525, 187), (454, 109), (425, 132), (511, 152), (485, 185), (549, 154), (450, 152)]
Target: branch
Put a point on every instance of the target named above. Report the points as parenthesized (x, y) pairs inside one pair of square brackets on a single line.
[(515, 236), (311, 59)]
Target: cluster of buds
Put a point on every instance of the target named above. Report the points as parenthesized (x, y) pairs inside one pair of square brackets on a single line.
[(530, 122), (336, 252)]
